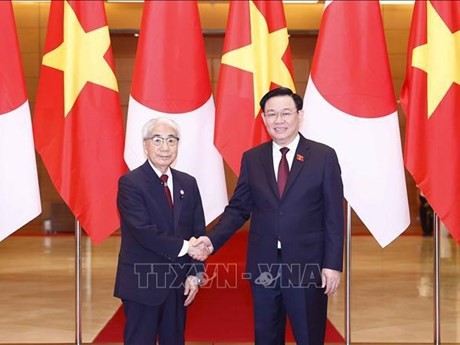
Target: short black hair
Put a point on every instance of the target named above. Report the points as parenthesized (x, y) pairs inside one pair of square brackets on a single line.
[(281, 91)]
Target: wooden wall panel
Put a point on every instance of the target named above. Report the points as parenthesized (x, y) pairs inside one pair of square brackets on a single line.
[(398, 69), (397, 41), (303, 16), (29, 42), (31, 65), (32, 85), (124, 16), (397, 17), (26, 15)]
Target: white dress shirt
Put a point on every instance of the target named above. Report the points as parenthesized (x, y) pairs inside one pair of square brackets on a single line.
[(292, 146), (170, 184)]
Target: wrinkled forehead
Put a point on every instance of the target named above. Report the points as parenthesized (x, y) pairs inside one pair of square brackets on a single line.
[(163, 130)]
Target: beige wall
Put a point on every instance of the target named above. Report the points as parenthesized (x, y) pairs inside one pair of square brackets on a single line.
[(303, 21)]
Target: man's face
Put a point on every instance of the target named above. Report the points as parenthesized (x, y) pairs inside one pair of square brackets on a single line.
[(161, 152), (282, 119)]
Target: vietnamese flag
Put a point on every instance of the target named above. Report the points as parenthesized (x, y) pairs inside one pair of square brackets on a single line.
[(78, 123), (431, 100), (256, 58), (19, 191), (350, 105), (171, 79)]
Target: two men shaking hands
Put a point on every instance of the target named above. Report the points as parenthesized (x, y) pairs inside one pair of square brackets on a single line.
[(200, 248)]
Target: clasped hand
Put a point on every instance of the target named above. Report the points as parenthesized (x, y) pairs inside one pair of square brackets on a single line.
[(200, 248)]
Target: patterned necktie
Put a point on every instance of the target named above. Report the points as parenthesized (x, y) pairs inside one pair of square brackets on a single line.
[(164, 181), (283, 171)]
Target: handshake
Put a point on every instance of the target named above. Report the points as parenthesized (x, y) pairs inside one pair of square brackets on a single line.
[(200, 248)]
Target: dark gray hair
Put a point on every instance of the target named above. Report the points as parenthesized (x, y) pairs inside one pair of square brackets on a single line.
[(282, 91)]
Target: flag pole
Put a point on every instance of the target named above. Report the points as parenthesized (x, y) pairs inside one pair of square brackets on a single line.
[(437, 299), (348, 278), (77, 282)]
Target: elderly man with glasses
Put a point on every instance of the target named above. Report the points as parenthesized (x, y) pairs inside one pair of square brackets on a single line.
[(160, 210)]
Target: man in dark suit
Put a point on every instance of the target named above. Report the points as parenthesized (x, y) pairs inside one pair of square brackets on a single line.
[(160, 208), (291, 188)]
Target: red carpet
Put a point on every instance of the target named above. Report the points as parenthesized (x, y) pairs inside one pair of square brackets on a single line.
[(217, 314)]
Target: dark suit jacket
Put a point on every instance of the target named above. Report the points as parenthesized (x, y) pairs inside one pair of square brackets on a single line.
[(308, 219), (152, 234)]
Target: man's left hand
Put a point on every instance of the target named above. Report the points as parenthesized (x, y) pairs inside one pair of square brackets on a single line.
[(191, 289), (330, 280)]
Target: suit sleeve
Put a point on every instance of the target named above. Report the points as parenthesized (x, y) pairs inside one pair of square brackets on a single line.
[(135, 217), (199, 227), (237, 211), (333, 214)]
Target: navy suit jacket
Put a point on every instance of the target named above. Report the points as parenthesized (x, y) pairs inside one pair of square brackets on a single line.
[(152, 234), (307, 219)]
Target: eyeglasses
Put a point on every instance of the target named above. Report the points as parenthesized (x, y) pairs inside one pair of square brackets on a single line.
[(285, 114), (158, 141)]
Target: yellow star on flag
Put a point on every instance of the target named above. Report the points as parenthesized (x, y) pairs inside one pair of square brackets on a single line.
[(81, 57), (439, 58), (263, 57)]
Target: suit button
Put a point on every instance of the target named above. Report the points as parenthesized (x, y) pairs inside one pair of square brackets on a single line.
[(281, 213)]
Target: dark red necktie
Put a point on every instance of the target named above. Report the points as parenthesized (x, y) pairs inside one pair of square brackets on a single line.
[(164, 180), (283, 171)]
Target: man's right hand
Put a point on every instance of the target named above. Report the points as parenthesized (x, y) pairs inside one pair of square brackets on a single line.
[(200, 248)]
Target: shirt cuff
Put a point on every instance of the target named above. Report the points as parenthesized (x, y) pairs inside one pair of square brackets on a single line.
[(184, 249)]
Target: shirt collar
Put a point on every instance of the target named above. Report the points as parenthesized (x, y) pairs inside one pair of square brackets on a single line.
[(292, 146), (159, 173)]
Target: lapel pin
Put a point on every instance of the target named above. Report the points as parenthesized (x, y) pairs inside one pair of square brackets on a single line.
[(181, 193), (299, 157)]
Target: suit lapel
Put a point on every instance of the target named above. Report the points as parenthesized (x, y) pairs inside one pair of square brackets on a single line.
[(267, 163), (300, 159), (179, 194), (156, 188)]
